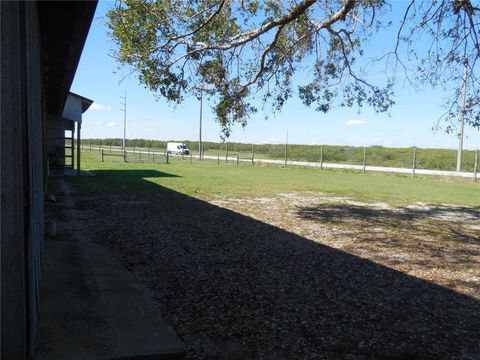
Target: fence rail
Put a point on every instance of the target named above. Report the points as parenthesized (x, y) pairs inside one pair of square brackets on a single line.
[(413, 161)]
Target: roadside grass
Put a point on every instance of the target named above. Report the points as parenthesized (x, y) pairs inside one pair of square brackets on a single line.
[(208, 180)]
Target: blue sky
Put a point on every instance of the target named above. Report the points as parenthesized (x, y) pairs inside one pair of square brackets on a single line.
[(99, 78)]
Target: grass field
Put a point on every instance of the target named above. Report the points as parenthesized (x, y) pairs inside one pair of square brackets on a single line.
[(209, 180), (262, 262)]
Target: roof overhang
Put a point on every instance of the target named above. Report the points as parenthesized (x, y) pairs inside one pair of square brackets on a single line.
[(85, 102), (64, 27)]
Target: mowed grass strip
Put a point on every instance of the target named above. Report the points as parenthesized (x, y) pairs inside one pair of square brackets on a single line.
[(208, 180)]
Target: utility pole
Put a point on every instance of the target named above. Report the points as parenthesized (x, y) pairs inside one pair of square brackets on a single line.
[(462, 119), (200, 130), (464, 97), (124, 98), (286, 151)]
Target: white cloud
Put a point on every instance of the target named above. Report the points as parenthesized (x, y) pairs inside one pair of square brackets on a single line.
[(101, 107), (96, 123), (353, 122), (112, 124)]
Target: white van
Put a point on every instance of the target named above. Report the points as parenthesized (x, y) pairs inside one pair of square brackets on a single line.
[(175, 148)]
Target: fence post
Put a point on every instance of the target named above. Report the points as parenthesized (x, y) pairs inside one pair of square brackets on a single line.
[(475, 166), (168, 158), (253, 154), (102, 154), (414, 163), (140, 155), (134, 149), (237, 159), (286, 155), (110, 146), (153, 157), (190, 157), (90, 146), (364, 158), (218, 159), (321, 157), (226, 153)]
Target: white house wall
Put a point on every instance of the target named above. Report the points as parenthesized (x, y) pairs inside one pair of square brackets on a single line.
[(73, 109)]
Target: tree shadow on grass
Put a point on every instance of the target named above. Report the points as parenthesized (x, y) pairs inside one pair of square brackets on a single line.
[(237, 288), (337, 212), (443, 239), (400, 218)]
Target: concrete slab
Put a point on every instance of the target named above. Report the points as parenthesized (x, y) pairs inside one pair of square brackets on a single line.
[(91, 307)]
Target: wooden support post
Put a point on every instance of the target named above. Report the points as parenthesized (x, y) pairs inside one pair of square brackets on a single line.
[(321, 157), (475, 166), (153, 157), (286, 155), (79, 126), (140, 155), (124, 156), (168, 160), (134, 149), (414, 163), (237, 159), (218, 159), (72, 150), (253, 154), (101, 151), (226, 153), (364, 158), (90, 146), (190, 157)]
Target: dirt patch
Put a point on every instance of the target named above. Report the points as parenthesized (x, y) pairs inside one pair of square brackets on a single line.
[(435, 243), (300, 275)]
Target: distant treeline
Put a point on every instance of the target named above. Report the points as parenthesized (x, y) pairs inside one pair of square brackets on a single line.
[(434, 159)]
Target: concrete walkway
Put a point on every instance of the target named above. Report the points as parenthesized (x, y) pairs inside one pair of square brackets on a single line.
[(91, 306)]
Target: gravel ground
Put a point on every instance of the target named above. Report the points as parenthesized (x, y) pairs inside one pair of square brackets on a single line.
[(301, 276)]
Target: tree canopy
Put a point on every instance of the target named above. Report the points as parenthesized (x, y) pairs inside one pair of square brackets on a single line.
[(240, 52)]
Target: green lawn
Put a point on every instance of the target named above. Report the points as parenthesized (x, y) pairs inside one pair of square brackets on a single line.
[(208, 180)]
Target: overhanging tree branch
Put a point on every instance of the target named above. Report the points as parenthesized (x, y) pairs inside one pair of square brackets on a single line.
[(256, 47)]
